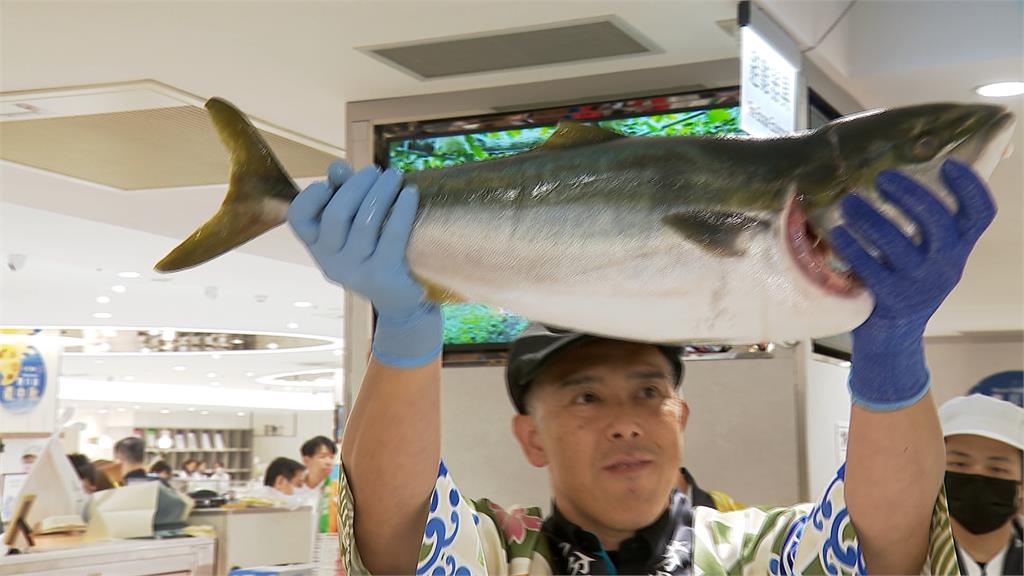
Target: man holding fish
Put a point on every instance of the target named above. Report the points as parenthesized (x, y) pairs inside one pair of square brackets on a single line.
[(603, 415), (634, 242)]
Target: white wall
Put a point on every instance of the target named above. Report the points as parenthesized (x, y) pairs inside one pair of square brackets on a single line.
[(306, 425), (827, 407), (957, 364)]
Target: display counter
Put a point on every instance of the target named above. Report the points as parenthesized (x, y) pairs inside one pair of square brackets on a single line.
[(70, 556), (259, 536)]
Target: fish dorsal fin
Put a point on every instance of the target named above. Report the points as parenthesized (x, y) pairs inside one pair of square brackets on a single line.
[(569, 134), (718, 232)]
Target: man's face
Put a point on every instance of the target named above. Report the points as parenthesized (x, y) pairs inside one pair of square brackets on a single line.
[(321, 461), (971, 454), (605, 419)]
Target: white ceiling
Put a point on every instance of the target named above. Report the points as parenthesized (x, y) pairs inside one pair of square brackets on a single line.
[(296, 64)]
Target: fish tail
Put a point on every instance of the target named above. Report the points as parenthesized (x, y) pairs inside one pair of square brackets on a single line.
[(259, 191)]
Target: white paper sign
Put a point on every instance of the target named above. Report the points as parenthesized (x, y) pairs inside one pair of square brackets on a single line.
[(769, 88)]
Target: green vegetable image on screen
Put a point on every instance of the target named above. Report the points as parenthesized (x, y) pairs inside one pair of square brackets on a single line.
[(483, 324)]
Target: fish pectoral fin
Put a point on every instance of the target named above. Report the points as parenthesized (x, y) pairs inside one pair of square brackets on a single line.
[(569, 134), (718, 232), (439, 294)]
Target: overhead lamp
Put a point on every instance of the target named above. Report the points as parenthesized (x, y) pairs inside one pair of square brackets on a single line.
[(128, 274), (102, 315), (1001, 89), (103, 299), (302, 304), (119, 288)]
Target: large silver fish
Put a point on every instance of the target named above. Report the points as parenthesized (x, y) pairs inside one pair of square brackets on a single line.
[(657, 239)]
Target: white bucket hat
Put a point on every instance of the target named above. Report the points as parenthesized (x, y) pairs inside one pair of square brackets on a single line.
[(984, 416)]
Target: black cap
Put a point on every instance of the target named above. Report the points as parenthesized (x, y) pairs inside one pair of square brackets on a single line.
[(538, 345)]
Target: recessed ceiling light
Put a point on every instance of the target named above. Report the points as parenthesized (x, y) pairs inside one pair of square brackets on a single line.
[(179, 368), (103, 299), (302, 304), (121, 409), (120, 289), (1001, 89), (241, 413), (191, 409), (128, 274), (214, 383), (129, 378), (211, 374), (204, 412), (102, 411), (136, 407), (250, 374), (165, 411), (102, 315), (272, 345), (292, 325)]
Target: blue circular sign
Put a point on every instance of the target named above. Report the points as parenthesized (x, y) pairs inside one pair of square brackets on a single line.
[(22, 378), (1008, 386)]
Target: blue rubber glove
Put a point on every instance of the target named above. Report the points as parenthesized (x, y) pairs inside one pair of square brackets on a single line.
[(909, 281), (346, 226)]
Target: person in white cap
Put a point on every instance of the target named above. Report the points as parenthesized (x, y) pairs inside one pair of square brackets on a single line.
[(984, 465)]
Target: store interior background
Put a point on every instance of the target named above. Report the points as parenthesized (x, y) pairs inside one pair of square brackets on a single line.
[(77, 238)]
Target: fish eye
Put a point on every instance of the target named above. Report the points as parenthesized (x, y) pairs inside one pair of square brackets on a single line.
[(926, 147)]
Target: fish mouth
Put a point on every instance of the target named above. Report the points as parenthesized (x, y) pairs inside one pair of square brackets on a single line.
[(989, 145), (813, 254)]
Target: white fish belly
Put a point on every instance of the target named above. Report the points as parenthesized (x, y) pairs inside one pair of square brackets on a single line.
[(623, 274)]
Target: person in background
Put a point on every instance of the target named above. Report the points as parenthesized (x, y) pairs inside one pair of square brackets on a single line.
[(984, 466), (319, 454), (283, 480), (130, 452), (200, 471), (27, 460), (221, 476), (108, 474), (161, 470), (85, 470), (714, 499), (188, 469)]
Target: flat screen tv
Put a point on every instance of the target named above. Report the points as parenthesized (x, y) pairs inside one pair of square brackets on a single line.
[(414, 146)]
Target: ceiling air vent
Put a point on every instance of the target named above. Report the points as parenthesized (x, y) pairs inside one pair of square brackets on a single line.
[(136, 136), (556, 43)]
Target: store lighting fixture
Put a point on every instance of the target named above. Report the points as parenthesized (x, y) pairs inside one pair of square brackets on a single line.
[(1001, 89), (122, 409), (211, 374), (204, 412), (191, 409), (272, 346), (164, 442), (179, 368), (103, 299), (102, 315), (241, 413), (238, 341), (292, 325), (302, 304), (119, 288), (128, 274), (136, 407), (250, 374), (165, 411)]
